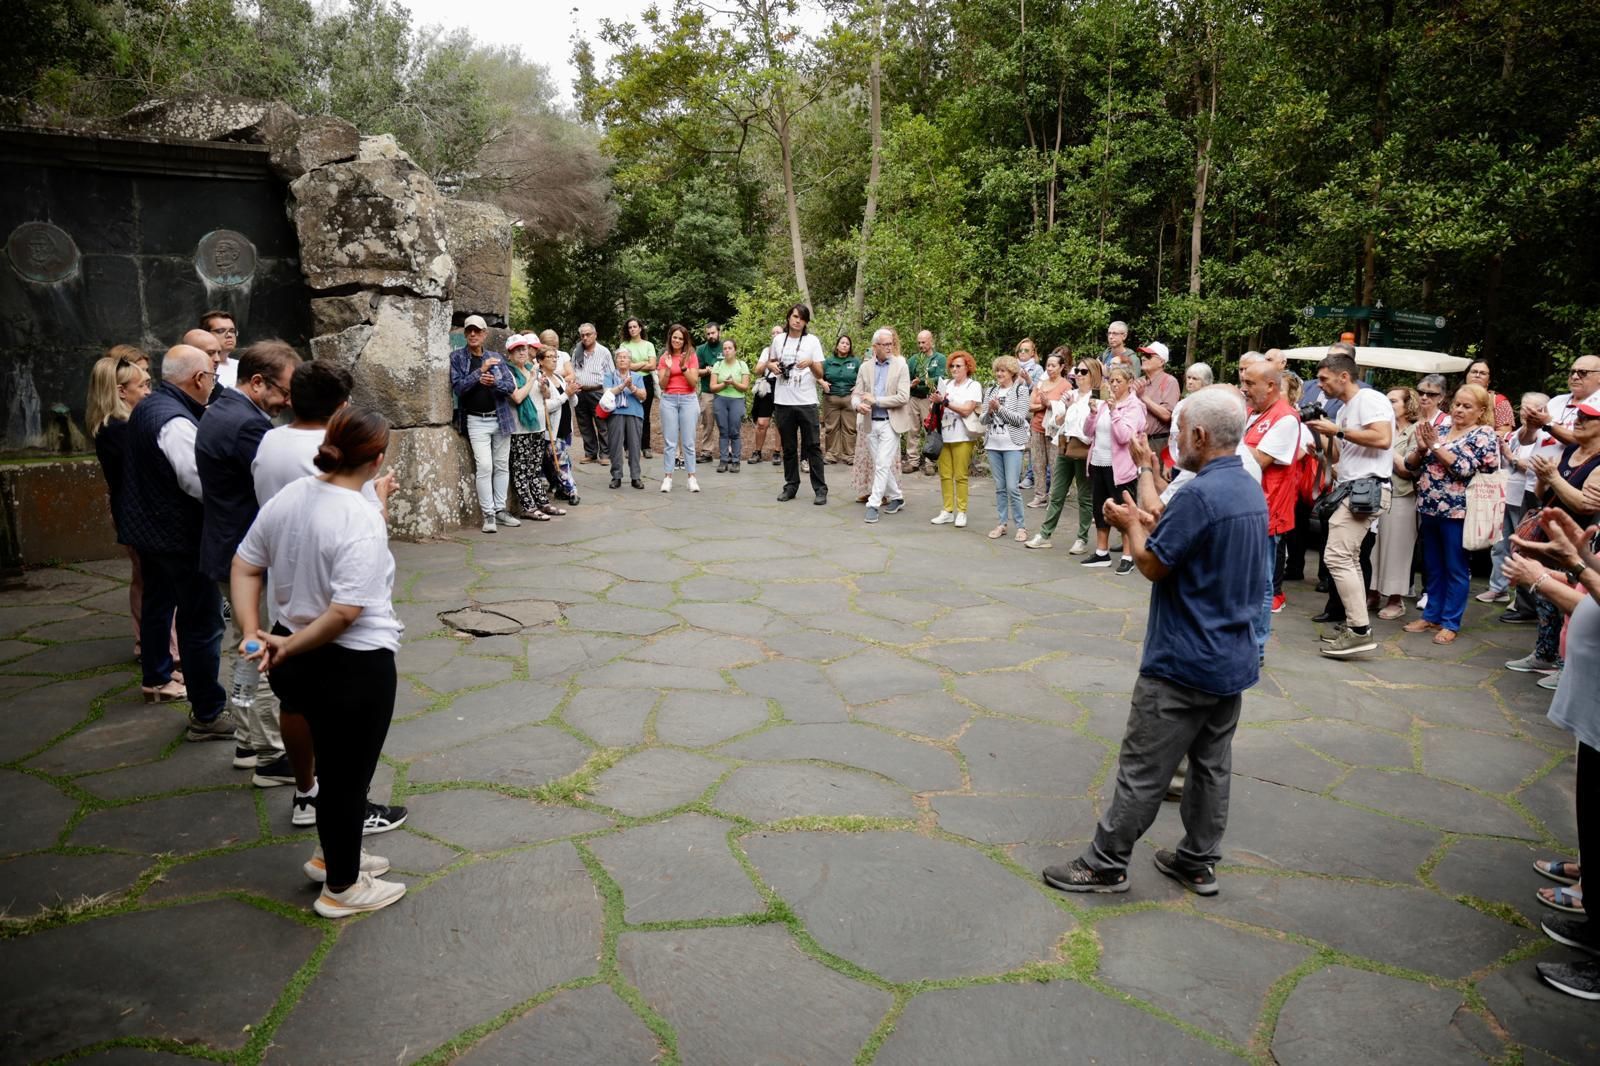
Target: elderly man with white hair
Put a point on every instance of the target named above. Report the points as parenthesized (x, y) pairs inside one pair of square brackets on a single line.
[(1117, 352), (1204, 556), (883, 395)]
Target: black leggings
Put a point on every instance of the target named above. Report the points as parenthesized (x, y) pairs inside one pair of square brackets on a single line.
[(1103, 487), (347, 697), (527, 470)]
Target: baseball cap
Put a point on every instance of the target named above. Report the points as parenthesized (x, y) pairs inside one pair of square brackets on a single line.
[(515, 341), (1155, 348), (1587, 408), (475, 322)]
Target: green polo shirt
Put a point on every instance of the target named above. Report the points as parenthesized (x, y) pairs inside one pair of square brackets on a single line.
[(840, 374), (708, 354), (926, 370)]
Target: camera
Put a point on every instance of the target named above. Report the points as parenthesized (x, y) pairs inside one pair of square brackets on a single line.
[(1310, 412)]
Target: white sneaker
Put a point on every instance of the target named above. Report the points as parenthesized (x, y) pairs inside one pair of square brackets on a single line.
[(694, 486), (506, 518), (961, 520), (1079, 546), (316, 867), (944, 518), (367, 894), (1039, 541), (666, 483)]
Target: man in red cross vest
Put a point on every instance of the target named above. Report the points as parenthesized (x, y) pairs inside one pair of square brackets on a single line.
[(1273, 436)]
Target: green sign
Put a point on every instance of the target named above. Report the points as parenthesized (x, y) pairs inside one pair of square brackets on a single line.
[(1338, 312), (1390, 329)]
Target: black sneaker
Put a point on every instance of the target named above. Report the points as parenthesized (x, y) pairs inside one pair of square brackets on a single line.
[(1201, 881), (637, 483), (303, 811), (1079, 876), (616, 482), (1124, 566), (274, 773), (1573, 933), (244, 758), (1581, 979), (381, 819), (1097, 559), (1515, 617)]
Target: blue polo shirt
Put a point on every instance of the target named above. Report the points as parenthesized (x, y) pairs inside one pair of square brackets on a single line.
[(1213, 539)]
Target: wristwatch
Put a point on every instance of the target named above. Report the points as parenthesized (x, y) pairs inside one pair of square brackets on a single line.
[(1575, 574), (1147, 470), (1339, 433)]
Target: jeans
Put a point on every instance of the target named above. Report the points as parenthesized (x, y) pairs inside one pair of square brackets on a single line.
[(347, 698), (623, 435), (1264, 620), (1444, 564), (1069, 472), (173, 582), (955, 463), (801, 439), (258, 727), (680, 413), (1006, 469), (730, 425), (1346, 531), (1502, 547), (1166, 722), (885, 445), (491, 457)]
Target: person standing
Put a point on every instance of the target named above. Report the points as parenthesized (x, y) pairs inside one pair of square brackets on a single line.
[(762, 397), (1005, 420), (679, 369), (162, 520), (1516, 451), (225, 452), (1052, 387), (1032, 372), (1159, 392), (839, 372), (1478, 373), (220, 325), (1358, 445), (797, 357), (960, 395), (882, 393), (1204, 558), (643, 358), (707, 353), (1117, 352), (528, 442), (330, 655), (557, 383), (1396, 541), (589, 362), (1072, 461), (483, 388), (1273, 436), (625, 425), (928, 367), (1111, 427), (730, 381)]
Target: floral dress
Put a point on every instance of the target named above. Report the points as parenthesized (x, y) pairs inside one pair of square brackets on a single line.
[(1441, 490)]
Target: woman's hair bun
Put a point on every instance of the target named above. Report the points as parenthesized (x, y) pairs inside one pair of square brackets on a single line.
[(329, 458)]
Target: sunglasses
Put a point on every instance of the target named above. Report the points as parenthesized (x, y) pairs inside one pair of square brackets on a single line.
[(1581, 373), (1430, 395)]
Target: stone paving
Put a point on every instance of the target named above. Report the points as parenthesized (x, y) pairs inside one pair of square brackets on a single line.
[(734, 781)]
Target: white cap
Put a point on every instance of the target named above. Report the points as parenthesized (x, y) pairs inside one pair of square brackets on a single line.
[(1155, 348), (475, 322)]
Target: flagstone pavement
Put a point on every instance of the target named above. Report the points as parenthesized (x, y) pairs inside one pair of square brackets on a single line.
[(736, 781)]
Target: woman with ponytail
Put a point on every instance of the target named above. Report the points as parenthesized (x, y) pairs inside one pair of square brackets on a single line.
[(331, 652)]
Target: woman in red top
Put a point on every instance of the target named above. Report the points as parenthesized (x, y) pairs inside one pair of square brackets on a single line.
[(678, 370), (1504, 417)]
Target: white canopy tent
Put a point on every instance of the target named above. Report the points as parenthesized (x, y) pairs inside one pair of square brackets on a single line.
[(1409, 360)]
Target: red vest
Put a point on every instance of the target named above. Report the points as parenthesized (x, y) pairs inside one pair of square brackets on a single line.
[(1278, 481)]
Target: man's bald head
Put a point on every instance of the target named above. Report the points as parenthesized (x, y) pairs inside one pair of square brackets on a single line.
[(189, 369), (206, 342), (1276, 357)]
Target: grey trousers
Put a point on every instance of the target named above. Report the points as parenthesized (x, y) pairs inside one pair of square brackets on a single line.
[(1166, 722), (258, 728)]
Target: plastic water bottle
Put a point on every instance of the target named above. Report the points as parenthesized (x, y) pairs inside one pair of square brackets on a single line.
[(246, 679)]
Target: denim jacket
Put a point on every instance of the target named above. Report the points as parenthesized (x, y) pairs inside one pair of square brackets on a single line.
[(463, 375)]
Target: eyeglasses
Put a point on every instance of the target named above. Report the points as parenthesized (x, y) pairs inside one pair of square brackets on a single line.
[(1430, 395), (204, 374), (231, 331), (1576, 373)]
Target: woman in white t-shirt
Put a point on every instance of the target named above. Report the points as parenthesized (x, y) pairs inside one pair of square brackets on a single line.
[(960, 393), (331, 652)]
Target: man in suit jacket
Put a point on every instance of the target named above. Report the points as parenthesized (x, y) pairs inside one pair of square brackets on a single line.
[(883, 394)]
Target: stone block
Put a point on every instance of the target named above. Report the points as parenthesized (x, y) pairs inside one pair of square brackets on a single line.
[(376, 222), (312, 142), (208, 117), (60, 511), (400, 362), (334, 314), (479, 238), (436, 493)]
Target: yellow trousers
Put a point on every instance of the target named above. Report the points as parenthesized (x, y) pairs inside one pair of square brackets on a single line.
[(955, 460)]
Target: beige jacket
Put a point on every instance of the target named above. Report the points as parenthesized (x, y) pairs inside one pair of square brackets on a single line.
[(897, 400)]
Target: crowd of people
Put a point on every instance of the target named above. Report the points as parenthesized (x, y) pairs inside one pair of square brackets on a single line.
[(281, 528)]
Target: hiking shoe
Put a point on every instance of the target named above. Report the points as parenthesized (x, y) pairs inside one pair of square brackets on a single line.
[(316, 867), (1124, 566), (893, 506), (1551, 681), (1201, 881), (1079, 876), (1581, 979), (1079, 546), (244, 758), (722, 468), (367, 894), (637, 483), (1348, 643), (1039, 540), (381, 819), (506, 518), (274, 773), (871, 515), (303, 811), (1572, 932), (488, 524), (1531, 664), (616, 482), (222, 727)]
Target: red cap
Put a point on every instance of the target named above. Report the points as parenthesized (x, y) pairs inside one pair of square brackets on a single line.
[(1587, 408)]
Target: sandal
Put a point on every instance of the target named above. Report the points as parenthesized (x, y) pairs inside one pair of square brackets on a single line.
[(536, 516), (1445, 636), (553, 511), (1561, 898), (1561, 871), (1421, 625), (997, 532)]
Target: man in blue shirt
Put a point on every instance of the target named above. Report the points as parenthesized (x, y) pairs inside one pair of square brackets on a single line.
[(1205, 557)]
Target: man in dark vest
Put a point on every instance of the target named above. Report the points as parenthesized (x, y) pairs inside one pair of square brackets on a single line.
[(162, 519), (224, 449)]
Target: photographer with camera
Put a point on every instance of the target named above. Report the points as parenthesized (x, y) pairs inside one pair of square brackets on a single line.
[(1358, 445), (799, 360)]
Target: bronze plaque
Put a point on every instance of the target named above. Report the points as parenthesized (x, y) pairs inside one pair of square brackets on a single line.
[(42, 252), (225, 257)]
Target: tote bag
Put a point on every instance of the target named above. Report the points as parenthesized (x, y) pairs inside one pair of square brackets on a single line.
[(1486, 509)]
